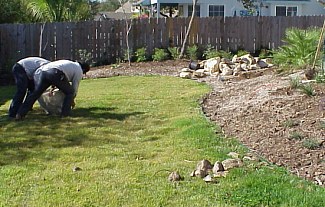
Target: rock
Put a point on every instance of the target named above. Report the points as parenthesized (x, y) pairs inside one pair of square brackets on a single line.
[(174, 177), (204, 165), (51, 103), (231, 163), (234, 155), (212, 64), (185, 75), (74, 169), (218, 167), (186, 70), (262, 64), (209, 179)]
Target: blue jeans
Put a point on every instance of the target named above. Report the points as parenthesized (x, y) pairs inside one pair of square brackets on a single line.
[(23, 85), (47, 78)]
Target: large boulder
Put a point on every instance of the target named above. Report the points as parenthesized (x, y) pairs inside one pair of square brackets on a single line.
[(51, 102)]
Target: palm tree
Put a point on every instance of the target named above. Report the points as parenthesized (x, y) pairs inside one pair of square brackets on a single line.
[(58, 10)]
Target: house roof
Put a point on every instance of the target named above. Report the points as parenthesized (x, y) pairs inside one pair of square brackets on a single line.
[(111, 15)]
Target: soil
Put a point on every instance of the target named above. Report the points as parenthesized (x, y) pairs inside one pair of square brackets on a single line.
[(259, 108)]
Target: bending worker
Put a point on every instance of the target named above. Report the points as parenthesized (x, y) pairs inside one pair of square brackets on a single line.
[(59, 74)]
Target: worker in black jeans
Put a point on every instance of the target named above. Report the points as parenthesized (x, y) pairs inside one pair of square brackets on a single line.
[(23, 72), (59, 74)]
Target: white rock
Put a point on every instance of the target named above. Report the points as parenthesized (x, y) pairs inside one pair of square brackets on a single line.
[(185, 75), (52, 103)]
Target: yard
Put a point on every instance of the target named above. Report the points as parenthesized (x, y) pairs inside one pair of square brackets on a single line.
[(125, 137)]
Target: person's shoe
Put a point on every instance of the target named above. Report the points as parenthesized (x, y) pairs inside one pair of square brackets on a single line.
[(19, 117)]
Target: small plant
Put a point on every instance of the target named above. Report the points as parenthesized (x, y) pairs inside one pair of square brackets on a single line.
[(141, 54), (192, 52), (295, 83), (320, 78), (159, 55), (224, 54), (310, 144), (84, 55), (322, 124), (299, 48), (307, 89), (290, 123), (210, 52), (265, 53), (174, 52), (296, 136), (242, 52)]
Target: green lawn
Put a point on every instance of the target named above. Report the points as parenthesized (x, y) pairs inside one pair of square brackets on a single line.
[(125, 134)]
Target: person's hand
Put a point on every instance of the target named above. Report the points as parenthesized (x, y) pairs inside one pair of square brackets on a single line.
[(51, 93)]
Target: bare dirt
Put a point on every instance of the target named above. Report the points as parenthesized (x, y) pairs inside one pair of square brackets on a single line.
[(261, 109)]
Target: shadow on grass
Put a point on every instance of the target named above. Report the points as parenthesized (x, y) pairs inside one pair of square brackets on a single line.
[(102, 113), (38, 134)]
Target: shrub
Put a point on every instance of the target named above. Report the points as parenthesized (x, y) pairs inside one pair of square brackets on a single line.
[(210, 52), (299, 49), (192, 52), (295, 83), (307, 89), (141, 54), (174, 52), (159, 55), (224, 54), (310, 144), (296, 136), (242, 52)]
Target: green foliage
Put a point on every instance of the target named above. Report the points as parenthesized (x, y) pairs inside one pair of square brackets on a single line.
[(299, 48), (210, 52), (192, 52), (85, 56), (296, 136), (307, 89), (11, 11), (310, 143), (265, 53), (295, 82), (320, 78), (58, 10), (159, 55), (242, 52), (174, 52), (290, 123), (141, 54)]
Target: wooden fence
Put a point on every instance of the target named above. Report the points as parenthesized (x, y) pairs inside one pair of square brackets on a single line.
[(105, 41)]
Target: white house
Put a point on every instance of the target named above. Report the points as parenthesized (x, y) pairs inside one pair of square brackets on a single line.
[(208, 8)]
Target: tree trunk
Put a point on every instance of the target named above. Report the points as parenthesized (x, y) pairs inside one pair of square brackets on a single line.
[(188, 30)]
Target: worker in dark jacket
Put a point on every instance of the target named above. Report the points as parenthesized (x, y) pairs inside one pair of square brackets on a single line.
[(23, 72), (59, 74)]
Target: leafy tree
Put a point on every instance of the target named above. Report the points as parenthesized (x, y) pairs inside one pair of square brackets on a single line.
[(10, 11), (110, 5), (58, 10)]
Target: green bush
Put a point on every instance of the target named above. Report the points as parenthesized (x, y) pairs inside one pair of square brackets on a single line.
[(174, 52), (210, 52), (141, 54), (242, 52), (192, 52), (159, 55), (299, 48)]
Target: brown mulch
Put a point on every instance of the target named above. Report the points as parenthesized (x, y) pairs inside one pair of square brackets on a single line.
[(281, 124)]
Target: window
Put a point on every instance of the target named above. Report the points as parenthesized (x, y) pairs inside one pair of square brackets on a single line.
[(286, 11), (197, 10), (216, 10)]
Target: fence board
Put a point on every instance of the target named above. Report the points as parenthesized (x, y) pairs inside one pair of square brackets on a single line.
[(106, 40)]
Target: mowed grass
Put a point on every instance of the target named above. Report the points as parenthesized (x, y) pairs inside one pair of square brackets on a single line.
[(126, 135)]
